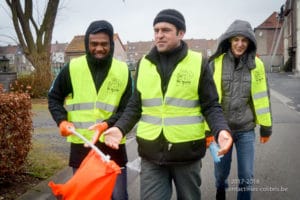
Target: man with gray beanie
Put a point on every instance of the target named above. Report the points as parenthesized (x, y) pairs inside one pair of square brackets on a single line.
[(174, 92), (90, 94)]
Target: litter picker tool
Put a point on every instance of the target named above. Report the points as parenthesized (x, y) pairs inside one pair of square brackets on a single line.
[(104, 157)]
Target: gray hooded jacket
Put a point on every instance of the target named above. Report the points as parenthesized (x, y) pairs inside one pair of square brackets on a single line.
[(236, 79)]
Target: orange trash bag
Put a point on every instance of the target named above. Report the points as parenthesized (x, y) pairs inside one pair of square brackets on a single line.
[(94, 179)]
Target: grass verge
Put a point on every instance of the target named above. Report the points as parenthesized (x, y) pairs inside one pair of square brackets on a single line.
[(42, 164)]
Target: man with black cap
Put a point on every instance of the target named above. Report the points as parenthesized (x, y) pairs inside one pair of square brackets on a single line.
[(90, 94), (174, 92)]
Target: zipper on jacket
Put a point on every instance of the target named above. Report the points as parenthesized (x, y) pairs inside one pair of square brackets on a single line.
[(169, 146)]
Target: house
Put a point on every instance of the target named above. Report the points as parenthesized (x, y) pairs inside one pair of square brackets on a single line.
[(58, 52), (290, 13), (61, 53), (17, 60), (281, 31), (135, 50), (269, 39), (57, 57), (120, 50), (206, 47), (19, 63), (76, 48)]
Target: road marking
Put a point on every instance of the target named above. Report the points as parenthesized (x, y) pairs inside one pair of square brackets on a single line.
[(285, 100)]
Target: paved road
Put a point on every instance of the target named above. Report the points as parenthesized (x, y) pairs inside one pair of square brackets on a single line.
[(276, 163), (288, 85)]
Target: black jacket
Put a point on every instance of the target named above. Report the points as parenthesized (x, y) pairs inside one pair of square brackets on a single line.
[(159, 150), (62, 87)]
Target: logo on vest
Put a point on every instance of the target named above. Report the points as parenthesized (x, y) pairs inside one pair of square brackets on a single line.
[(184, 78), (259, 77), (114, 85)]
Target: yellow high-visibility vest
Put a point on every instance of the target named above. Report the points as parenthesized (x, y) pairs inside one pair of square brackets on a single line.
[(178, 112), (87, 106), (259, 92)]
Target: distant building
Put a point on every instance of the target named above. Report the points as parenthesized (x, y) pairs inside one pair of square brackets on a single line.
[(17, 60), (61, 53), (269, 39), (278, 38), (57, 57), (206, 47), (120, 49), (135, 50), (58, 52), (19, 63), (290, 14), (76, 48)]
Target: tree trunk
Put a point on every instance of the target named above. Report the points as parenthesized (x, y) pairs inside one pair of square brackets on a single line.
[(42, 75), (35, 40)]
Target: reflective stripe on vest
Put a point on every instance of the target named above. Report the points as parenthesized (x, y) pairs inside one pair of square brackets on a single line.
[(88, 107), (259, 92), (178, 113)]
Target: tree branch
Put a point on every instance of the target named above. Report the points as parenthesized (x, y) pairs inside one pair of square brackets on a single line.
[(47, 26)]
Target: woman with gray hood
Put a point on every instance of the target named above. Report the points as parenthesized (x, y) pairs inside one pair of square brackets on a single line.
[(243, 92)]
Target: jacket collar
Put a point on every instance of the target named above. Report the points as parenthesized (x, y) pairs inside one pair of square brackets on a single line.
[(180, 53)]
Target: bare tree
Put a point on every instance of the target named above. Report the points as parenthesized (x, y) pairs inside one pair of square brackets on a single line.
[(35, 39)]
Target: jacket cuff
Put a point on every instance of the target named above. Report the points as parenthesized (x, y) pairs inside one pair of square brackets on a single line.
[(208, 134), (122, 131), (265, 131), (59, 121), (109, 124)]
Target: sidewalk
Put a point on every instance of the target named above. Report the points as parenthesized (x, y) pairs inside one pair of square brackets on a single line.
[(42, 191), (281, 109)]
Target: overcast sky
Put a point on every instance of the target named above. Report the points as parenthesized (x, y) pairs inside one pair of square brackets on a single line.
[(132, 19)]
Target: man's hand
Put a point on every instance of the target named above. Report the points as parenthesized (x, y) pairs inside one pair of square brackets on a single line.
[(265, 139), (99, 128), (225, 142), (113, 137), (66, 128)]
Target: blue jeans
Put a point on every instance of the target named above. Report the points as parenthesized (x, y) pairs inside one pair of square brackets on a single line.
[(156, 181), (244, 144), (120, 189)]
